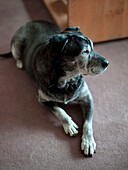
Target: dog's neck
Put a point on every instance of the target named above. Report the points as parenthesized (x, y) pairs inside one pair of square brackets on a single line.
[(68, 75)]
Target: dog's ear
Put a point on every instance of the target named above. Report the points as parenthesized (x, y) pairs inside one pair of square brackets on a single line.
[(71, 28), (58, 43)]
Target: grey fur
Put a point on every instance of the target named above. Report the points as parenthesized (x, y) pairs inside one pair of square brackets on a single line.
[(56, 61)]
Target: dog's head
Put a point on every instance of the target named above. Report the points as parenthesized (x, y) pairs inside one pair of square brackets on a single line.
[(75, 53)]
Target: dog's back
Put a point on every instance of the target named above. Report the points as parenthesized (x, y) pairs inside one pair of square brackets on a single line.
[(28, 39)]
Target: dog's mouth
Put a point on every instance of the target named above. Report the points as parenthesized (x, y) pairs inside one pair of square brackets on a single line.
[(97, 70), (94, 71)]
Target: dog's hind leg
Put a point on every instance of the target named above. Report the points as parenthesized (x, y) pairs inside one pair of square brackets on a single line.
[(16, 48)]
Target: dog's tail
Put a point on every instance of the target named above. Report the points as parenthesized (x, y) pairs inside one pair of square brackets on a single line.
[(6, 55)]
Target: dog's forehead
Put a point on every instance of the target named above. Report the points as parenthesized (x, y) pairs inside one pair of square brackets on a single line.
[(75, 44), (85, 42), (77, 36)]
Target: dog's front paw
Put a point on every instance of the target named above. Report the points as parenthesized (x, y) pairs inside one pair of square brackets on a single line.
[(70, 128), (88, 145)]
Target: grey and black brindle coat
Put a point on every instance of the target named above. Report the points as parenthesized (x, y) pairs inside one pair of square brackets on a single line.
[(56, 61)]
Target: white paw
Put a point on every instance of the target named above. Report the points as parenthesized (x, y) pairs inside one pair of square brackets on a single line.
[(70, 128), (88, 145), (19, 64)]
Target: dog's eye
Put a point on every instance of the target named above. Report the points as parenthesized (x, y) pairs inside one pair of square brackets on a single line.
[(85, 52)]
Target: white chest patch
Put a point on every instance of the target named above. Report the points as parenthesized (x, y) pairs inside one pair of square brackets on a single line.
[(46, 98), (43, 96)]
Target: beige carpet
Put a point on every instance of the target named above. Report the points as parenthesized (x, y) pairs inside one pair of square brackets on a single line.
[(31, 137)]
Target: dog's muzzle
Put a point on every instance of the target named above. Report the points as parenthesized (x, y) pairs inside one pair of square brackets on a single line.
[(97, 64), (98, 59)]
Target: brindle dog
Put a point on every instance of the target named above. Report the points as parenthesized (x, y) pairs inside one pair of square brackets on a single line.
[(56, 61)]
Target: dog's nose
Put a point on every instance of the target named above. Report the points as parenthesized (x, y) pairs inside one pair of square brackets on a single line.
[(105, 63)]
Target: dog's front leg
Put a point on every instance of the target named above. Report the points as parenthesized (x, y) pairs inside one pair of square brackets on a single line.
[(88, 144), (68, 124)]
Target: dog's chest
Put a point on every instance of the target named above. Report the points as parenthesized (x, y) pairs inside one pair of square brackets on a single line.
[(68, 92)]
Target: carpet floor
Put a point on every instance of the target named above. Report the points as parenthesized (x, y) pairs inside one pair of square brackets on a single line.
[(31, 137)]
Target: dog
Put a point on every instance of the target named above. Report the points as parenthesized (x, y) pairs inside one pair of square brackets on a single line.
[(56, 61)]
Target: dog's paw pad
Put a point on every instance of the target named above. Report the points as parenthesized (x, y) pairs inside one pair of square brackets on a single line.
[(71, 128), (88, 145)]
